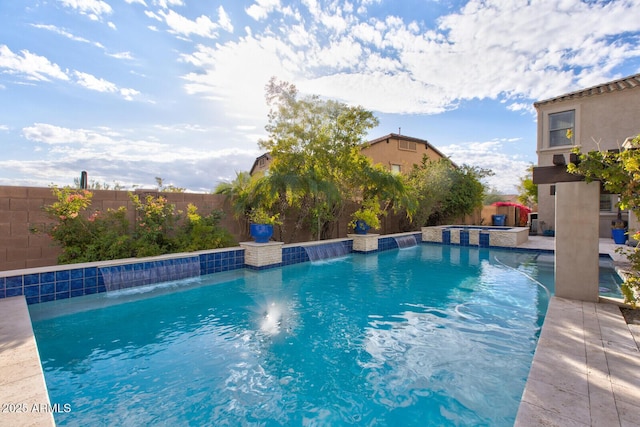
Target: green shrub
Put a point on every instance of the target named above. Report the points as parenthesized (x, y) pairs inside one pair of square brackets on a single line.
[(86, 235)]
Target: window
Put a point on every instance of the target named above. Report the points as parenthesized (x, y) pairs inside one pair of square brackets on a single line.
[(559, 124), (606, 203), (406, 145), (396, 168)]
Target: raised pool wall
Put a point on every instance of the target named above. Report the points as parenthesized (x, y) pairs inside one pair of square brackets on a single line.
[(483, 237), (45, 284), (52, 283)]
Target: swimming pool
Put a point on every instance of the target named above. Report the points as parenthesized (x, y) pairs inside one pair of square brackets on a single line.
[(434, 333)]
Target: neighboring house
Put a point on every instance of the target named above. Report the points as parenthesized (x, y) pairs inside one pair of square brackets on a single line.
[(397, 153), (602, 117), (261, 164)]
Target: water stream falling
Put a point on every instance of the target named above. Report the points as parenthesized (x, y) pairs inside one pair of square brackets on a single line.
[(133, 275), (325, 251), (406, 241)]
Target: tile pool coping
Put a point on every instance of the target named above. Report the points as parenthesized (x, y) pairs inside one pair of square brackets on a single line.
[(563, 389)]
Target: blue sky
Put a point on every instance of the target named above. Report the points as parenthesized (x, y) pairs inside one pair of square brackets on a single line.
[(130, 90)]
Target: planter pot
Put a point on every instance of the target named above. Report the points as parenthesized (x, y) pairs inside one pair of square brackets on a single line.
[(619, 235), (361, 227), (261, 233)]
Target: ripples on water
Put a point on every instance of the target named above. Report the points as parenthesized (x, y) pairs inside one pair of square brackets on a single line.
[(430, 335)]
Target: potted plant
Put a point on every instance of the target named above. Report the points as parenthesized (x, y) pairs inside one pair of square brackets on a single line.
[(367, 217), (261, 228), (618, 232)]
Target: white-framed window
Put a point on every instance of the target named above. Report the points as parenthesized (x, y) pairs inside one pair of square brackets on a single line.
[(406, 145), (396, 168), (559, 124)]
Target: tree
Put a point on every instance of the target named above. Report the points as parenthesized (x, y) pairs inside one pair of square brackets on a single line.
[(527, 190), (619, 173), (444, 191), (317, 164), (492, 195)]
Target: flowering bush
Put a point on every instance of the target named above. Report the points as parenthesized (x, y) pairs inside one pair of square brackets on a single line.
[(200, 233), (155, 220), (86, 235)]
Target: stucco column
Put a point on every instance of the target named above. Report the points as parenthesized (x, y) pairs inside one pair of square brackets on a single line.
[(577, 242)]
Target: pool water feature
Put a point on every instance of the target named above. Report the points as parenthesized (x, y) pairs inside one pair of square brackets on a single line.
[(432, 334), (407, 241), (326, 251)]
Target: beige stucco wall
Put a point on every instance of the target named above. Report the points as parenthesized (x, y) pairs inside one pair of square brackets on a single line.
[(388, 153), (602, 122), (576, 242)]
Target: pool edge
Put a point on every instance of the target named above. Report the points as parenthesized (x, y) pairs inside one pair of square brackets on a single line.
[(23, 392)]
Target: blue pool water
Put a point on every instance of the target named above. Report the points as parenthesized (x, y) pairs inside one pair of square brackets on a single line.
[(430, 335)]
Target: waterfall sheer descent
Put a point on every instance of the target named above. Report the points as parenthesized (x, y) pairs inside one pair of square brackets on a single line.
[(326, 251), (406, 241), (127, 276)]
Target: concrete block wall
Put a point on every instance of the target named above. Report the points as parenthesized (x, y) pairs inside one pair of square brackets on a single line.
[(22, 208)]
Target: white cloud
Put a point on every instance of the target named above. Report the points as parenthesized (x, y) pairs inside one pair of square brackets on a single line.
[(142, 2), (165, 4), (91, 82), (94, 9), (118, 156), (224, 21), (489, 49), (202, 26), (121, 55), (29, 65), (261, 9), (508, 168)]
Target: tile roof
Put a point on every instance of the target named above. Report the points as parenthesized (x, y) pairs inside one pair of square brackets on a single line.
[(629, 82), (404, 138)]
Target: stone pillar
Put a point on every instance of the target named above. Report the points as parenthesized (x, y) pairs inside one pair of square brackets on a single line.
[(262, 255), (364, 242), (577, 241)]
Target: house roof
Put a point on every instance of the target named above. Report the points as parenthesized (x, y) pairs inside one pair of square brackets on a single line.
[(404, 138), (266, 156), (629, 82)]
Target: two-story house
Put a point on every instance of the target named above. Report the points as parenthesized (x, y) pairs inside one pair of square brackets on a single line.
[(397, 153), (601, 117)]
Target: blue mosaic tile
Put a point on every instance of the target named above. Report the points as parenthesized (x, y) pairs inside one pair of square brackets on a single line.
[(47, 298), (77, 293), (2, 287), (32, 291), (62, 287), (77, 284), (464, 238), (76, 273), (446, 237), (62, 295), (90, 272), (31, 279), (33, 300), (62, 275), (90, 282), (13, 282), (47, 289), (484, 240), (13, 292), (48, 277)]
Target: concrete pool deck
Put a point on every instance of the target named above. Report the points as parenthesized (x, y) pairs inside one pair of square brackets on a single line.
[(585, 372), (24, 398), (586, 368)]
